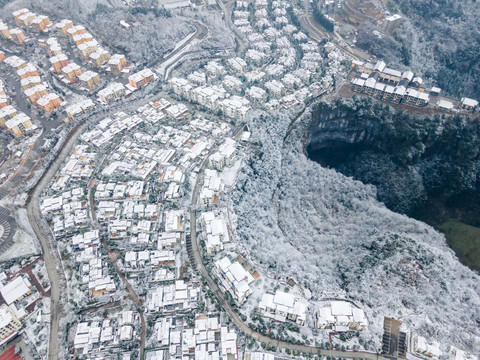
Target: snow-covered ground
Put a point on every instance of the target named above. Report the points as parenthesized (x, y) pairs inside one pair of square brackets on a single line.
[(332, 236), (25, 245), (37, 328), (25, 241)]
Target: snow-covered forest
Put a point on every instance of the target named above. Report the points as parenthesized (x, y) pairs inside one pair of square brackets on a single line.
[(331, 234), (438, 39)]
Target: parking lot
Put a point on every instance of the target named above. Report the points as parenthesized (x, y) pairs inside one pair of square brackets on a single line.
[(9, 228)]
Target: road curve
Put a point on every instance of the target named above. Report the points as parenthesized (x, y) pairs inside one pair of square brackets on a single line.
[(196, 262), (240, 43), (53, 263)]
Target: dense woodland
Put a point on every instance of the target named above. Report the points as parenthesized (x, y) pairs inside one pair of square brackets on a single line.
[(410, 159)]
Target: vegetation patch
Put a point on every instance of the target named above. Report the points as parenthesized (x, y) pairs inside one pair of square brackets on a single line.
[(464, 240)]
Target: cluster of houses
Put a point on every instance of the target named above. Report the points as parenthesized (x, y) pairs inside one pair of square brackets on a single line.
[(17, 123), (97, 338), (116, 90), (69, 215), (278, 71), (213, 98), (383, 83), (57, 39), (27, 20), (32, 85), (205, 339), (69, 71), (132, 201), (90, 51)]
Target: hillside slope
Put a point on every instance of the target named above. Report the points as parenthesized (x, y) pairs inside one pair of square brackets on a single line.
[(298, 219), (438, 39)]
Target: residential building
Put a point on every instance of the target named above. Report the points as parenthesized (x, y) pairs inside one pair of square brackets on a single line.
[(75, 30), (117, 62), (197, 78), (216, 231), (82, 38), (9, 324), (89, 79), (457, 354), (17, 36), (16, 289), (275, 88), (468, 104), (88, 48), (212, 189), (341, 316), (72, 71), (26, 19), (6, 113), (100, 57), (40, 23), (30, 82), (224, 156), (426, 348), (49, 102), (27, 71), (256, 95), (232, 83), (444, 105), (80, 108), (15, 62), (234, 278), (214, 69), (416, 98), (63, 26), (19, 124), (59, 62), (36, 92), (111, 92), (18, 13), (237, 64), (4, 30), (282, 306), (235, 107), (141, 78)]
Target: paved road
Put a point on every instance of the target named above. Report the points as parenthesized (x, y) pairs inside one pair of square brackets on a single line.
[(53, 263), (316, 32), (227, 9), (201, 32), (196, 262)]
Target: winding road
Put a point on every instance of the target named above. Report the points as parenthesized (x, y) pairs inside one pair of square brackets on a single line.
[(241, 46), (42, 231), (195, 258)]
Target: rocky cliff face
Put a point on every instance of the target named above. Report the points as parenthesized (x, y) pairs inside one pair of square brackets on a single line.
[(411, 160)]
